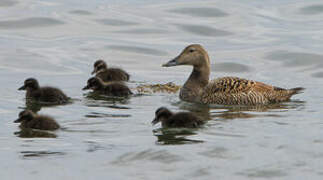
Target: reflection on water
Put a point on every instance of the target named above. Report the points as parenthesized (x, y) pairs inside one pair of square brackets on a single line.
[(161, 156), (31, 154), (95, 99), (34, 133), (175, 136)]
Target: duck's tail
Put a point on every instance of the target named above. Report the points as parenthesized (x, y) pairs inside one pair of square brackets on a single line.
[(296, 90), (281, 94)]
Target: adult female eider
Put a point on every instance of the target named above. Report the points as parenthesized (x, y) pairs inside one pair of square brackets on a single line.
[(114, 88), (225, 90), (102, 71), (49, 95), (176, 120), (28, 119)]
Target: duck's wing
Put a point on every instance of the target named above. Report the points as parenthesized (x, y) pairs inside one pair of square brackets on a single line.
[(236, 85), (234, 90)]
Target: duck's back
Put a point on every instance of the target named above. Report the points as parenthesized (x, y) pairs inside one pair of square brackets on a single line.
[(183, 119), (42, 123), (48, 94), (113, 74), (238, 91)]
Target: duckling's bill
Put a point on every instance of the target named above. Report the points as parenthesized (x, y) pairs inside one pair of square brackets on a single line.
[(22, 88), (155, 121)]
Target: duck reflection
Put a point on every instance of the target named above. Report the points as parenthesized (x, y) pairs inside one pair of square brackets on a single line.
[(94, 99), (33, 133), (230, 112), (175, 136)]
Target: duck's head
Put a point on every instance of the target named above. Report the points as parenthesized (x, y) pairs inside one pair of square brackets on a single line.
[(194, 55), (93, 83), (161, 114), (25, 115), (98, 66), (30, 83)]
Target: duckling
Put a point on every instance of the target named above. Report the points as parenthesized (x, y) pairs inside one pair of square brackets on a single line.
[(109, 74), (225, 90), (43, 94), (115, 88), (28, 119), (177, 120)]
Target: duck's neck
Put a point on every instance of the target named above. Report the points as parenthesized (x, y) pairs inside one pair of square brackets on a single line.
[(199, 77)]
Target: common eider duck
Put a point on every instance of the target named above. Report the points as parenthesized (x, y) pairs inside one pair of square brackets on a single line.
[(176, 120), (28, 119), (102, 71), (225, 90), (49, 95), (114, 88)]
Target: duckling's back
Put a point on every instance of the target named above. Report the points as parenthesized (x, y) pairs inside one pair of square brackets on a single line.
[(113, 74), (41, 122), (183, 119), (117, 89), (53, 95)]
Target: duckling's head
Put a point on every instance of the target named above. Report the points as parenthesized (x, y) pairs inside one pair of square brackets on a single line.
[(93, 83), (25, 115), (161, 115), (30, 83), (98, 66), (193, 54)]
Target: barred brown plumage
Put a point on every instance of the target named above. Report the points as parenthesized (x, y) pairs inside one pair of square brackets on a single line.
[(225, 90)]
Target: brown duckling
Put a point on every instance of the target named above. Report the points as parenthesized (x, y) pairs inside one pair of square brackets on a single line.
[(28, 119), (177, 120), (43, 94), (114, 88), (109, 74), (225, 90)]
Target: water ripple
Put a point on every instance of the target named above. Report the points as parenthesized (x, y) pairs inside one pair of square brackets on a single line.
[(30, 23), (200, 12)]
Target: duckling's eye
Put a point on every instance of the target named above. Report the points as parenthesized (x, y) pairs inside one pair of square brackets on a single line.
[(191, 50)]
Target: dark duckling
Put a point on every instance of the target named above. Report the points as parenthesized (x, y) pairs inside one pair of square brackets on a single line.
[(225, 90), (102, 71), (177, 120), (115, 88), (43, 94), (28, 119)]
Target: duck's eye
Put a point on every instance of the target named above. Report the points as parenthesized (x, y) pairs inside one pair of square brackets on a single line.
[(191, 50)]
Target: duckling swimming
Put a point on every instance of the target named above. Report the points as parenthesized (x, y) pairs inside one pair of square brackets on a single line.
[(109, 74), (225, 90), (28, 119), (177, 120), (114, 88), (43, 94)]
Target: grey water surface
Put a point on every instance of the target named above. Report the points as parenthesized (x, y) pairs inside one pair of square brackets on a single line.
[(57, 41)]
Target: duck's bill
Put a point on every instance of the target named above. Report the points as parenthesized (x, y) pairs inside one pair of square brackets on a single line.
[(172, 62), (155, 121), (86, 87), (93, 72), (17, 121), (22, 88)]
